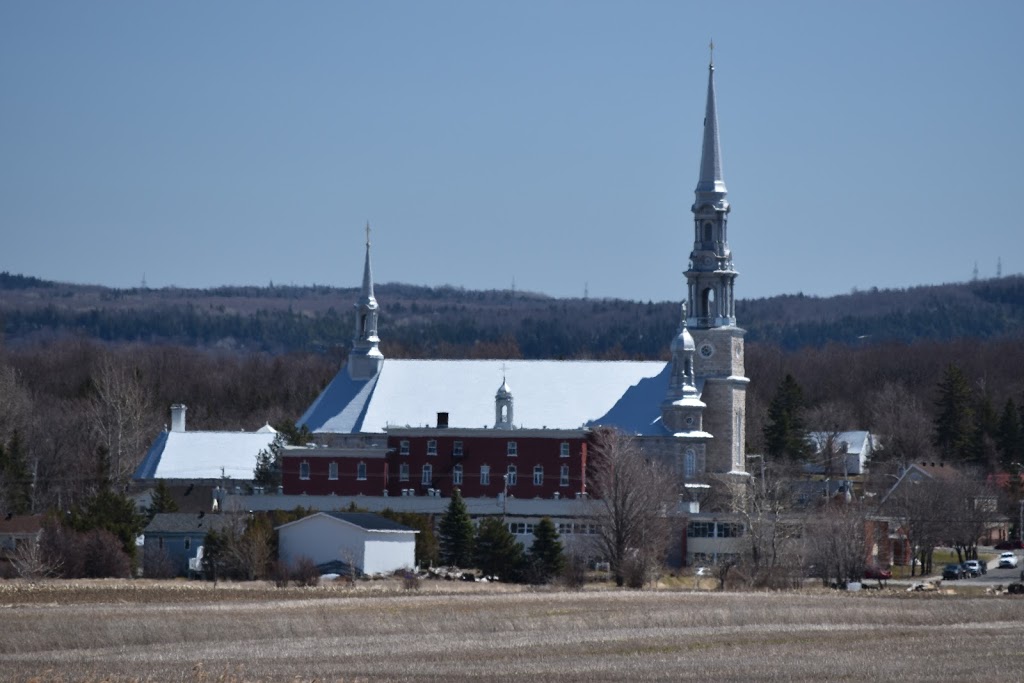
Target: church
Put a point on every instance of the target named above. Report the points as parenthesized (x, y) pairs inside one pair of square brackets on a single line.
[(688, 412)]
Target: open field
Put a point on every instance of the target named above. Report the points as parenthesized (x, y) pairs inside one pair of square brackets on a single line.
[(139, 631)]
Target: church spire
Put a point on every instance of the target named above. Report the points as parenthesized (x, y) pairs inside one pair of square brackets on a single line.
[(365, 359), (711, 185), (711, 275)]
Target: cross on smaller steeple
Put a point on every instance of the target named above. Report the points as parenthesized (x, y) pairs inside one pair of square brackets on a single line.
[(711, 49), (367, 233)]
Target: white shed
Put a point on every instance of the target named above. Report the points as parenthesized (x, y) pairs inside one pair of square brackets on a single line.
[(369, 542)]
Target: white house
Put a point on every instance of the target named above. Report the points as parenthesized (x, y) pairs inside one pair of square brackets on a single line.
[(370, 543)]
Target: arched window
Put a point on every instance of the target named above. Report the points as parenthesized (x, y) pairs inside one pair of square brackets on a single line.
[(361, 471), (707, 232), (538, 475), (511, 475), (304, 470), (457, 475), (428, 475), (709, 307), (563, 476), (403, 472), (485, 475)]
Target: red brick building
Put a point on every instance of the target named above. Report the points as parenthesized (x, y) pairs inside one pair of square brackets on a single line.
[(538, 463), (320, 471)]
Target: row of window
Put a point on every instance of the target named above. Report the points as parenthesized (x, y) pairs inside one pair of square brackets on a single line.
[(511, 448), (511, 474), (714, 530), (524, 528), (332, 470)]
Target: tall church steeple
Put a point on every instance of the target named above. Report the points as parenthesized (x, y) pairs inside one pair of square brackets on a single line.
[(365, 359), (711, 275)]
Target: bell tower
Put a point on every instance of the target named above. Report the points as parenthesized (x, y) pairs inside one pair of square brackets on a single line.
[(711, 317), (365, 360)]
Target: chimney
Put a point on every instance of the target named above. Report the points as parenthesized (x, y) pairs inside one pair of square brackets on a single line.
[(442, 420), (178, 417)]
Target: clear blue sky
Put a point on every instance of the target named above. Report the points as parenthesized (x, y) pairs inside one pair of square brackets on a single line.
[(550, 143)]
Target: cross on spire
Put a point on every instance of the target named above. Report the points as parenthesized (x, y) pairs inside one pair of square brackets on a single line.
[(367, 233), (711, 50)]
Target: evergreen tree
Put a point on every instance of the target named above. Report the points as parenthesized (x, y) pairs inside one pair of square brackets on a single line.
[(955, 425), (498, 553), (268, 465), (1010, 437), (456, 533), (111, 512), (162, 501), (546, 557), (785, 435), (15, 477)]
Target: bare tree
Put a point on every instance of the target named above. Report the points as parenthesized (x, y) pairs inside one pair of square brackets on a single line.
[(773, 552), (920, 510), (827, 421), (636, 497), (120, 411), (835, 540)]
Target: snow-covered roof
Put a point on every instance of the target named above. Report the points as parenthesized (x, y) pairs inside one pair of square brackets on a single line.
[(201, 455), (546, 393), (856, 442)]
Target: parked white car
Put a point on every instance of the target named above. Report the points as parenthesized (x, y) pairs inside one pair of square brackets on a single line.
[(1007, 560)]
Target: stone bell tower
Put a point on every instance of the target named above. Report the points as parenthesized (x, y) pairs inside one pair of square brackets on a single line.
[(711, 319)]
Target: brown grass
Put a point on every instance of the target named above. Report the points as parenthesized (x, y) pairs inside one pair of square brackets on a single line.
[(174, 631)]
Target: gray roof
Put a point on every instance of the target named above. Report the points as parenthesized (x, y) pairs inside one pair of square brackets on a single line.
[(186, 522), (369, 521)]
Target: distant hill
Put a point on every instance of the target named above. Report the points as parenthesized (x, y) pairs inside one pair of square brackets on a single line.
[(454, 322)]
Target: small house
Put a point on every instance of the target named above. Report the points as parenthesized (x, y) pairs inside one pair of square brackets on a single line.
[(369, 543)]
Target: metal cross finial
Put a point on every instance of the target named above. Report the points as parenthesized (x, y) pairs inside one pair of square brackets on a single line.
[(711, 49), (684, 312), (367, 233)]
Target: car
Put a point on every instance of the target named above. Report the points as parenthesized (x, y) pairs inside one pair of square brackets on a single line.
[(952, 572), (873, 571), (972, 568), (1007, 559), (1010, 545)]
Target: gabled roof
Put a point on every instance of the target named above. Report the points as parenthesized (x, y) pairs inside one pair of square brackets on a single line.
[(186, 522), (367, 521), (546, 393), (856, 442), (202, 455)]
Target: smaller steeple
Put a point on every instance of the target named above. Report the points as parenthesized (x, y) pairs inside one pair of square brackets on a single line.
[(503, 406), (711, 185), (365, 359), (682, 410)]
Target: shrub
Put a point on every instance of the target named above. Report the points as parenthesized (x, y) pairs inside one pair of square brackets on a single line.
[(157, 564), (305, 572), (574, 572), (103, 556), (410, 581), (279, 573)]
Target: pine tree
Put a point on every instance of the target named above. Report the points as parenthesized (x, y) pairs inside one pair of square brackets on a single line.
[(456, 533), (15, 477), (1010, 437), (497, 552), (955, 425), (785, 435), (162, 501), (546, 558)]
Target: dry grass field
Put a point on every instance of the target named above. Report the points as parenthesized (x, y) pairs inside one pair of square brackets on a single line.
[(175, 631)]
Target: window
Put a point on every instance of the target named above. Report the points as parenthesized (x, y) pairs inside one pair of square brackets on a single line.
[(520, 528), (188, 543), (457, 449), (403, 447), (730, 530), (564, 528), (403, 472), (701, 530), (511, 475), (564, 449), (361, 471), (538, 475), (432, 447), (690, 463), (512, 448), (485, 475), (304, 470), (563, 477), (332, 471), (428, 475), (457, 475)]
